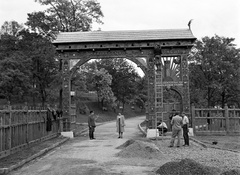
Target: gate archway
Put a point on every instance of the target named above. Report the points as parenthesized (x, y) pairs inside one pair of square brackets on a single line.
[(161, 54)]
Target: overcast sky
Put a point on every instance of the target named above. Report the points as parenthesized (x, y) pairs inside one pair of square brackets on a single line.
[(210, 17)]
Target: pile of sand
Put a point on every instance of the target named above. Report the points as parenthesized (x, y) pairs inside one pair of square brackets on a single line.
[(126, 144), (191, 167), (231, 172), (137, 148), (187, 167)]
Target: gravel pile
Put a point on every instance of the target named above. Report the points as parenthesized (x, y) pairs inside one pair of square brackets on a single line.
[(222, 159), (186, 167), (137, 148), (231, 172), (191, 167), (158, 153), (126, 144)]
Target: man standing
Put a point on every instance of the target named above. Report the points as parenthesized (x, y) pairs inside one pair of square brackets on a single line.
[(91, 124), (176, 123), (185, 129)]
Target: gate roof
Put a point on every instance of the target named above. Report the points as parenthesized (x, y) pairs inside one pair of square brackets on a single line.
[(124, 35)]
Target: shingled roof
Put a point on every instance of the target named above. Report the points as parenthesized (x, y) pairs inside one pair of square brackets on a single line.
[(125, 35)]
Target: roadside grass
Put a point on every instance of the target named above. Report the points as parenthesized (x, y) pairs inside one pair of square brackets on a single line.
[(221, 142)]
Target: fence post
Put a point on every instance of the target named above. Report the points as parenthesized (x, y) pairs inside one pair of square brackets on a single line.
[(193, 119), (27, 115), (10, 126), (226, 112)]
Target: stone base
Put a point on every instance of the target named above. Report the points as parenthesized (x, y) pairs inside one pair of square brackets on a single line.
[(152, 133), (67, 134), (190, 132)]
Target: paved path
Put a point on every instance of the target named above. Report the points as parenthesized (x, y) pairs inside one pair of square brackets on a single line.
[(90, 157)]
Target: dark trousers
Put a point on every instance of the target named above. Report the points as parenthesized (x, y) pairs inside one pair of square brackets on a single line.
[(91, 132), (162, 130), (185, 135)]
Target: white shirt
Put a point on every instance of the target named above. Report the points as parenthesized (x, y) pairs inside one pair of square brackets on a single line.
[(163, 124), (185, 120)]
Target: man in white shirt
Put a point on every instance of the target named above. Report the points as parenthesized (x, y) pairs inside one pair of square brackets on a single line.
[(185, 129), (162, 128)]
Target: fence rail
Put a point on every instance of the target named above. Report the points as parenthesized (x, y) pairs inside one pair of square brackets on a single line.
[(22, 126), (216, 121)]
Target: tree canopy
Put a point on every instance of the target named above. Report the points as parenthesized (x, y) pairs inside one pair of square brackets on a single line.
[(124, 78), (214, 72), (27, 65), (65, 16)]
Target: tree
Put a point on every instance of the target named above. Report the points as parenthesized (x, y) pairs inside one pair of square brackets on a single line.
[(14, 74), (124, 78), (14, 79), (65, 16), (96, 79), (11, 28), (27, 61), (7, 45), (141, 94), (42, 64), (103, 80), (214, 71)]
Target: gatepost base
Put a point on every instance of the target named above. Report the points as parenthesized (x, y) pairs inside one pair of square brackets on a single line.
[(67, 134)]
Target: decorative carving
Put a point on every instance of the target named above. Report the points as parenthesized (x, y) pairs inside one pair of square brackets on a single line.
[(174, 51), (157, 50)]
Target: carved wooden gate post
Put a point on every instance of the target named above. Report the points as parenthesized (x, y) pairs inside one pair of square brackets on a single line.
[(155, 88), (185, 79), (66, 92), (151, 93)]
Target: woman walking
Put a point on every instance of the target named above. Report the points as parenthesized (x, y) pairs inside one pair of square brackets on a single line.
[(120, 123)]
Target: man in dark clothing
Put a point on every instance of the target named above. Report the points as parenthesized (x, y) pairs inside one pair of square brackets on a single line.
[(185, 129), (91, 124), (49, 119), (172, 114)]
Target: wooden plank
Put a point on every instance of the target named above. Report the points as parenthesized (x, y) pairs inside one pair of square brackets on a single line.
[(1, 134), (211, 133), (209, 117)]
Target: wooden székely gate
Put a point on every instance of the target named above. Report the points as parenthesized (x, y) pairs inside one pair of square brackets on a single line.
[(161, 54)]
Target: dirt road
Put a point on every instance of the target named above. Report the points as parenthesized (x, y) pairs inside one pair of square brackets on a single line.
[(89, 157)]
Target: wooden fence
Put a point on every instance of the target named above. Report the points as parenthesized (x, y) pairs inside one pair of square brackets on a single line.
[(216, 121), (20, 127)]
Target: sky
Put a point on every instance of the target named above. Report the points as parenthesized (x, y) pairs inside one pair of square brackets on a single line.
[(210, 17)]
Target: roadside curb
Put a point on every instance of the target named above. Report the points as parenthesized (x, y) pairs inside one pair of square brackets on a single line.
[(210, 146), (198, 142), (141, 129), (11, 168)]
